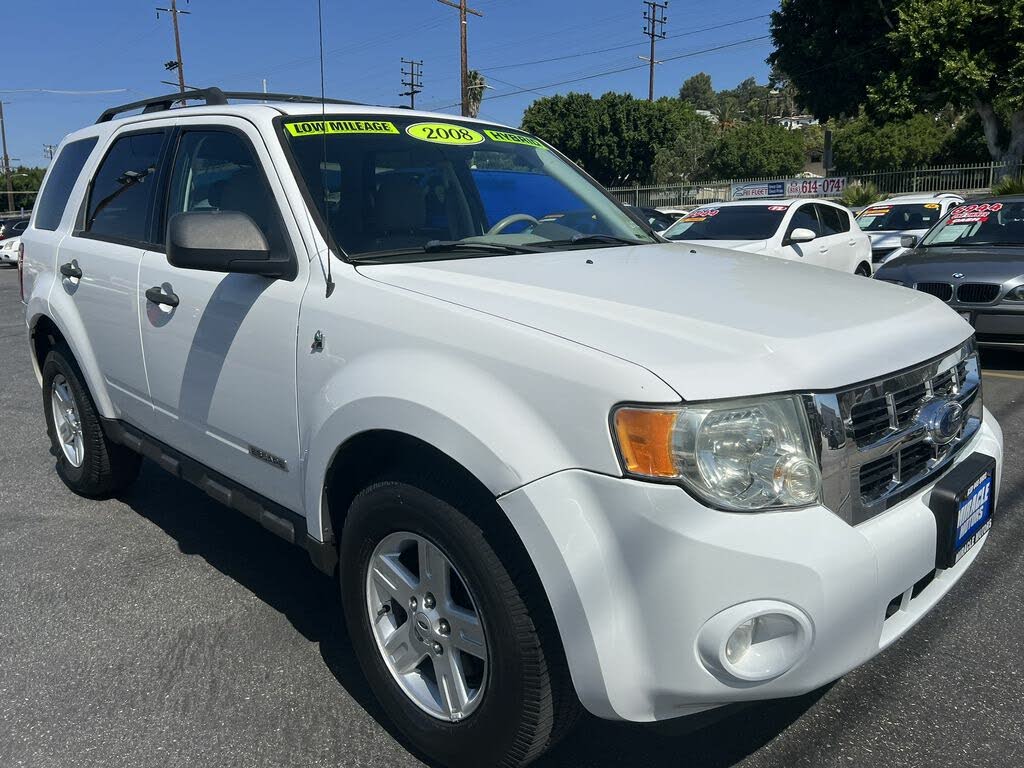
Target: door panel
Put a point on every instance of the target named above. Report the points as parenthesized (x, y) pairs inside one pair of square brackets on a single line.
[(814, 252), (221, 364)]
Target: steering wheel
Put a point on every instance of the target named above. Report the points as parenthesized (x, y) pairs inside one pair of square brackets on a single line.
[(508, 221)]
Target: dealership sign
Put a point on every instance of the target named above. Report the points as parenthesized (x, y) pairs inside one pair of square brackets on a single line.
[(753, 190)]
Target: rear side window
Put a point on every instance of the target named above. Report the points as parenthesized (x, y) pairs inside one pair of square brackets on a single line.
[(121, 198), (60, 181), (833, 220)]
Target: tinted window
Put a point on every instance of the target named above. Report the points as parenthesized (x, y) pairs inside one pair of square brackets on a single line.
[(996, 223), (59, 182), (804, 218), (884, 217), (729, 222), (122, 191), (833, 220), (217, 171)]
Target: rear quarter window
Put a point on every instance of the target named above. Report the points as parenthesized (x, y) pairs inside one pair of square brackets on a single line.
[(60, 181)]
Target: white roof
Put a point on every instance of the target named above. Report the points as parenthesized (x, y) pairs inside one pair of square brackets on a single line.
[(767, 201), (922, 198)]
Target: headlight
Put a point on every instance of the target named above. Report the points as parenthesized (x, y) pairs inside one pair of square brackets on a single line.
[(742, 455), (1016, 294)]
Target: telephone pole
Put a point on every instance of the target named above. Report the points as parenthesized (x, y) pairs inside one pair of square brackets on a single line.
[(177, 63), (414, 84), (7, 160), (463, 25), (654, 27), (49, 150)]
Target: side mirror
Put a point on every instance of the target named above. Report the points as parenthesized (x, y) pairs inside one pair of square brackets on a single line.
[(908, 241), (223, 241), (802, 235)]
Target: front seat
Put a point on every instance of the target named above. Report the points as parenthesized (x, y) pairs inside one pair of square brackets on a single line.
[(400, 213)]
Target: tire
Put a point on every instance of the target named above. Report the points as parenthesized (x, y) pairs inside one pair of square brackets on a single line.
[(526, 700), (103, 468), (863, 270)]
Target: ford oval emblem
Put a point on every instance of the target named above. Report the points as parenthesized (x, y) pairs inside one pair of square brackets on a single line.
[(942, 419), (958, 275)]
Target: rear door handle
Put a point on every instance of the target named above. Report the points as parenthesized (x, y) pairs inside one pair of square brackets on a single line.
[(71, 269), (157, 296)]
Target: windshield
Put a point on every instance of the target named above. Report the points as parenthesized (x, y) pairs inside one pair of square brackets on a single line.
[(737, 222), (995, 223), (896, 218), (403, 187)]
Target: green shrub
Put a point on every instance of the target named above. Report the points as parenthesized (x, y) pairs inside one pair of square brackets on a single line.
[(857, 195), (1009, 185)]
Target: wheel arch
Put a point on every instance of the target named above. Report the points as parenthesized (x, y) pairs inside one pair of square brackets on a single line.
[(47, 331)]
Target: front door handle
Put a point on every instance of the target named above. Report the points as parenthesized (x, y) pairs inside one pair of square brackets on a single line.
[(157, 295), (71, 269)]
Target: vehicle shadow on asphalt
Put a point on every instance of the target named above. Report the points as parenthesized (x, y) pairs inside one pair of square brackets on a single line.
[(283, 577)]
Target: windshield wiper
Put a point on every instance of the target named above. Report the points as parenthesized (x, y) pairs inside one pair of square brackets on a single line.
[(593, 240), (446, 246)]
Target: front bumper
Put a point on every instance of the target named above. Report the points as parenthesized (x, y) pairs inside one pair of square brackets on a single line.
[(997, 326), (634, 570)]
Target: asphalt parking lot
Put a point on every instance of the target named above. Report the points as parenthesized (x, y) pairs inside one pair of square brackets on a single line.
[(161, 629)]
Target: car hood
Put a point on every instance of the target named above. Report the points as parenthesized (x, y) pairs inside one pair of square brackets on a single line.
[(711, 323), (976, 264), (750, 246)]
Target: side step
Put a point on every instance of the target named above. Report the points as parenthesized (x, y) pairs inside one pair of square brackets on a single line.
[(271, 515)]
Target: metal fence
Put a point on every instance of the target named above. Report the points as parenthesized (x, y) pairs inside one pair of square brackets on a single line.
[(966, 179)]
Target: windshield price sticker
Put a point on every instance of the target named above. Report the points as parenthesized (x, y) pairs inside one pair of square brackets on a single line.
[(444, 133), (876, 211), (778, 208), (700, 215), (515, 138), (932, 206), (321, 127), (974, 214)]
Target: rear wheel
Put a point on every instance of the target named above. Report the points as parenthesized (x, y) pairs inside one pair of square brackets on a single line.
[(445, 634), (87, 462), (864, 270)]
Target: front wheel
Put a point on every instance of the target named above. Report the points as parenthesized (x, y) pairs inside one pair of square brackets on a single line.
[(863, 270), (444, 634)]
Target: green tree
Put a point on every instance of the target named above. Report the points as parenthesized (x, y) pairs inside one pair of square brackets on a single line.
[(476, 84), (23, 179), (688, 156), (698, 92), (833, 50), (750, 99), (755, 149), (861, 145), (967, 53)]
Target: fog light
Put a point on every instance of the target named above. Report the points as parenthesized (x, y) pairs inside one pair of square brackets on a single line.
[(755, 642)]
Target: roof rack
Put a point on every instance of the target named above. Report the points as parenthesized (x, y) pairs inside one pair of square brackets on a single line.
[(213, 97)]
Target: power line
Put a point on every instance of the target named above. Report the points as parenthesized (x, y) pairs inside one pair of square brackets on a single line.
[(624, 46), (654, 28), (619, 70), (177, 63), (414, 84), (463, 28)]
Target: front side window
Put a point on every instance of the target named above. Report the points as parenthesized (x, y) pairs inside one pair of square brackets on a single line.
[(218, 171), (996, 223), (729, 222), (833, 220), (895, 218), (60, 181), (805, 218), (123, 189), (396, 188)]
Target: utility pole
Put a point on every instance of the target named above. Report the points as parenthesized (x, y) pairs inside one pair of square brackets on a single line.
[(463, 25), (49, 150), (414, 84), (177, 63), (654, 27), (7, 161)]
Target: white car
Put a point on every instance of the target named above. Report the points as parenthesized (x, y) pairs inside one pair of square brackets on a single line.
[(9, 250), (811, 231), (888, 221), (549, 468)]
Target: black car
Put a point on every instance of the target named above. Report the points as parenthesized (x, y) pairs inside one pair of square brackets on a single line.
[(974, 261), (655, 219), (12, 227)]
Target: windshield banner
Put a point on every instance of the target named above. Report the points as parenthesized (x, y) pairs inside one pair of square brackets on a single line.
[(753, 190)]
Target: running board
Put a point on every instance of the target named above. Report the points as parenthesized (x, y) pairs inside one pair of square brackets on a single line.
[(277, 519)]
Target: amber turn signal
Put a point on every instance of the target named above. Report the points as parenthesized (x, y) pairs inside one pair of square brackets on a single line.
[(645, 441)]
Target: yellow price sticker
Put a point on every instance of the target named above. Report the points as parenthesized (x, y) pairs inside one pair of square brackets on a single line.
[(932, 206), (444, 133), (515, 138), (321, 127)]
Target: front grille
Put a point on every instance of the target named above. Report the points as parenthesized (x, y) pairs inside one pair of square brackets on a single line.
[(879, 254), (942, 291), (875, 450), (977, 293)]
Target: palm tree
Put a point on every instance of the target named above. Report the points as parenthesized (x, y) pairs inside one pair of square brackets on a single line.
[(476, 84)]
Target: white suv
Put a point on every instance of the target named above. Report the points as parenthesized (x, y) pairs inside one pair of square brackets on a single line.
[(552, 459), (889, 221)]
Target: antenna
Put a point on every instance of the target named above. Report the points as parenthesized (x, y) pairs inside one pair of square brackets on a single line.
[(323, 142)]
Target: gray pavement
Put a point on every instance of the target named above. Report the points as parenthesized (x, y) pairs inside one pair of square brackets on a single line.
[(161, 629)]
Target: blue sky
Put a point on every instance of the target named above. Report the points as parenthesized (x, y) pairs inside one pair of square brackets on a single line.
[(120, 44)]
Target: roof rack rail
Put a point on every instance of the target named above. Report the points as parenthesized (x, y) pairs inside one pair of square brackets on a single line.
[(212, 97)]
